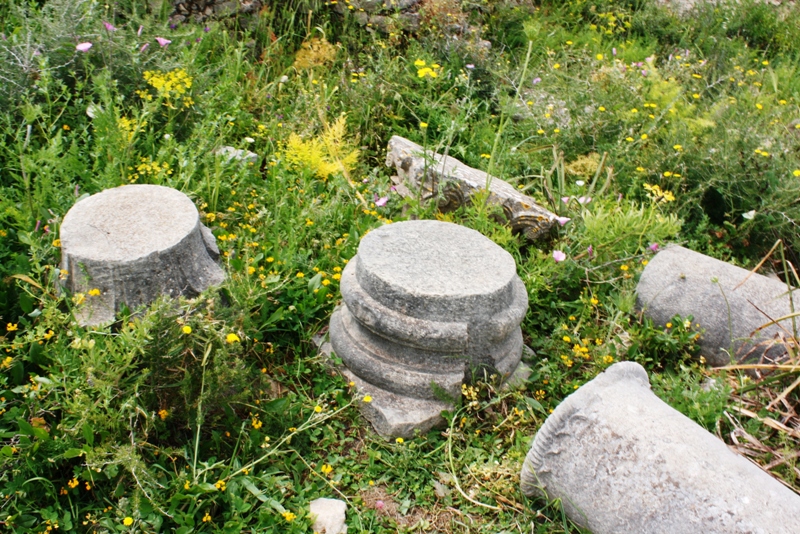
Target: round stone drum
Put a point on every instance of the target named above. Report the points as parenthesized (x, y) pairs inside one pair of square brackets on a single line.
[(428, 305), (130, 244)]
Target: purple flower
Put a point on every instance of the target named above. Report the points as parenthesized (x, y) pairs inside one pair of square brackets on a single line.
[(584, 200), (144, 47), (644, 72), (83, 47), (198, 40), (206, 29), (173, 26), (393, 188), (139, 33), (536, 80), (563, 220), (109, 27), (614, 51), (163, 42), (653, 247), (380, 202), (590, 250), (559, 256), (565, 200)]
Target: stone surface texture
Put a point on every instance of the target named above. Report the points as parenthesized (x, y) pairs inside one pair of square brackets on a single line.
[(427, 304), (452, 183), (330, 516), (200, 10), (624, 462), (678, 281), (134, 243)]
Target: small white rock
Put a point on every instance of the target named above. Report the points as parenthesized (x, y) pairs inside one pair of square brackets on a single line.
[(330, 516)]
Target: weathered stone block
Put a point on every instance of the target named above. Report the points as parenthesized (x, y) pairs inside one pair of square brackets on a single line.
[(452, 183), (624, 462), (679, 281), (426, 305), (132, 244)]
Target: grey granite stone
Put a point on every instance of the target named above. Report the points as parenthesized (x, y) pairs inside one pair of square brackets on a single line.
[(427, 305), (624, 462), (134, 243), (452, 183), (678, 281)]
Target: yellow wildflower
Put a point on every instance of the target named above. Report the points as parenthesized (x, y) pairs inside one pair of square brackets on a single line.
[(232, 338)]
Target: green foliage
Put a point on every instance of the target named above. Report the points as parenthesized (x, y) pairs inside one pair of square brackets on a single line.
[(689, 390)]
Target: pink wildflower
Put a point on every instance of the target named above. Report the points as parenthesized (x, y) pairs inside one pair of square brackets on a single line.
[(83, 47), (109, 27), (563, 220), (559, 256), (163, 42)]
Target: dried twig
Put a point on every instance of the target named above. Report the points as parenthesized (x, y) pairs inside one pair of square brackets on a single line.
[(772, 423)]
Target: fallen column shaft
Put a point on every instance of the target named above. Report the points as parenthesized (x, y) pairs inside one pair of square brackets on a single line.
[(624, 462)]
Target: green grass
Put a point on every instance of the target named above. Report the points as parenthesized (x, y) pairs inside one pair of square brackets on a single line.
[(142, 419)]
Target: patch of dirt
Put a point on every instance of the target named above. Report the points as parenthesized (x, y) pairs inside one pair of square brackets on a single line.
[(377, 498)]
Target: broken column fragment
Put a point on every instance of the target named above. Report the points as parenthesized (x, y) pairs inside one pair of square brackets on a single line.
[(452, 183), (622, 461), (728, 302), (427, 305), (130, 244)]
